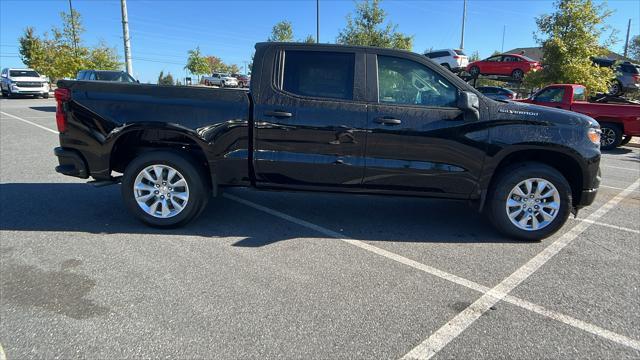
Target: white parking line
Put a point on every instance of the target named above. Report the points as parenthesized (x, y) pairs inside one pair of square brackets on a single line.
[(621, 168), (593, 329), (28, 122), (451, 330), (3, 356), (610, 226), (611, 187)]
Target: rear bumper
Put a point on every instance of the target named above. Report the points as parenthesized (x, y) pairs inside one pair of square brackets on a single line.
[(71, 163)]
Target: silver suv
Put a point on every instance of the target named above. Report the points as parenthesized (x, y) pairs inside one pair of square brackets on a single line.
[(627, 79), (452, 59), (23, 82)]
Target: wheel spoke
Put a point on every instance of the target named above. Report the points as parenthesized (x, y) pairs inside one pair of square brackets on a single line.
[(157, 169), (164, 208), (147, 175), (180, 195), (546, 216), (529, 185), (534, 222), (172, 173), (540, 188), (176, 205), (143, 186), (144, 198), (513, 203), (178, 183)]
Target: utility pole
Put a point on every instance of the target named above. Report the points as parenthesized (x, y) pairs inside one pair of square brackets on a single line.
[(504, 29), (125, 34), (626, 43), (73, 30), (464, 16), (317, 21)]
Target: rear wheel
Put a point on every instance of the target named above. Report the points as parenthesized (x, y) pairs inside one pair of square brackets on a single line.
[(529, 201), (517, 74), (474, 71), (611, 136), (164, 189), (45, 95), (615, 88), (222, 84)]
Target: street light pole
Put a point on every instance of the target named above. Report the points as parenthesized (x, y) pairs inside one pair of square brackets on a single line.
[(626, 43), (125, 34), (73, 30), (464, 17), (317, 21)]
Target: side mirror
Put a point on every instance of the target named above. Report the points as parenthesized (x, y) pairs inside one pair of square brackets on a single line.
[(469, 103)]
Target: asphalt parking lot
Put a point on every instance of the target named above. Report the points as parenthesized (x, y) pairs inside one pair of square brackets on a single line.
[(297, 275)]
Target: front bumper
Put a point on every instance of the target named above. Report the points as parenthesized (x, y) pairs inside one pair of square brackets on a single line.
[(587, 196), (71, 163)]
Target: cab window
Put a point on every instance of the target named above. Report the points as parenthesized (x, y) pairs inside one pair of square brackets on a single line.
[(554, 95), (402, 81), (319, 74), (579, 94)]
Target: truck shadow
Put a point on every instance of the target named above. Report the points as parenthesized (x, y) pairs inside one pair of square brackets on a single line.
[(43, 108), (78, 207)]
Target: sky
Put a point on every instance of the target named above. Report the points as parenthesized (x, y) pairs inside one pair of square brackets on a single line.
[(162, 31)]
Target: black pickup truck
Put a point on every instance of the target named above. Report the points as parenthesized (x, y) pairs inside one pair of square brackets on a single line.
[(331, 118)]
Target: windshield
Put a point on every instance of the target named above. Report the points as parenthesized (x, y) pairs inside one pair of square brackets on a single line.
[(23, 73), (527, 58), (120, 76), (460, 52)]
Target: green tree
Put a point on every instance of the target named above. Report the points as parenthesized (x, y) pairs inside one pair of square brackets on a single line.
[(367, 27), (165, 80), (634, 48), (196, 63), (475, 56), (282, 31), (570, 38), (61, 53), (309, 39)]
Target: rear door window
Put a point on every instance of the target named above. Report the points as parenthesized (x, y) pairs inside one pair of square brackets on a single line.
[(319, 74), (579, 94)]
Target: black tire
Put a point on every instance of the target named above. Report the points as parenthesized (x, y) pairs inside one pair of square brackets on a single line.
[(221, 84), (193, 174), (611, 136), (517, 75), (626, 140), (45, 95), (446, 66), (474, 71), (507, 180), (615, 88)]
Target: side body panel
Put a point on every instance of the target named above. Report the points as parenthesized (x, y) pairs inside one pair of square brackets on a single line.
[(100, 113)]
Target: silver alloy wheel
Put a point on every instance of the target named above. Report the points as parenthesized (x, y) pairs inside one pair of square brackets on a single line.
[(533, 204), (161, 191), (614, 89), (607, 137)]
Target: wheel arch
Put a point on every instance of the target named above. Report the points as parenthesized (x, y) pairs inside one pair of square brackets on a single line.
[(568, 165), (139, 138)]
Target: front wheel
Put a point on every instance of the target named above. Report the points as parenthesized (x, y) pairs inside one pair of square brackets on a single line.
[(222, 84), (529, 201), (611, 136), (164, 189)]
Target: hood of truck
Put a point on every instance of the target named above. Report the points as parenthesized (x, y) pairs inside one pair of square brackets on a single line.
[(27, 79), (525, 111)]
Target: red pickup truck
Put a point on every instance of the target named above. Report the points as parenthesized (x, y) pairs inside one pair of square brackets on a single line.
[(616, 120)]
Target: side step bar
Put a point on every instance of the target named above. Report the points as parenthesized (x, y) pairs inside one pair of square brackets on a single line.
[(102, 183)]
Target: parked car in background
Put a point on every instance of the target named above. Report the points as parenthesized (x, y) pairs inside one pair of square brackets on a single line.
[(23, 82), (616, 120), (220, 79), (105, 75), (243, 80), (627, 75), (627, 79), (318, 119), (497, 93), (512, 65), (452, 59)]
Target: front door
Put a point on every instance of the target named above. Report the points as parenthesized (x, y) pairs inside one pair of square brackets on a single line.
[(418, 140), (310, 130)]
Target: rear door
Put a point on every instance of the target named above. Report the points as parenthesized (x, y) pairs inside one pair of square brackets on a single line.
[(310, 119), (418, 140)]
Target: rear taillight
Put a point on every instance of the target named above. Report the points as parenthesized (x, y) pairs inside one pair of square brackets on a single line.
[(636, 78), (457, 57), (62, 96)]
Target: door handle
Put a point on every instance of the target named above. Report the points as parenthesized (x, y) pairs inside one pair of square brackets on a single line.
[(278, 114), (388, 120)]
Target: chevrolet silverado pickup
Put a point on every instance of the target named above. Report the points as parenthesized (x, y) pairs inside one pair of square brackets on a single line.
[(616, 120), (336, 119)]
